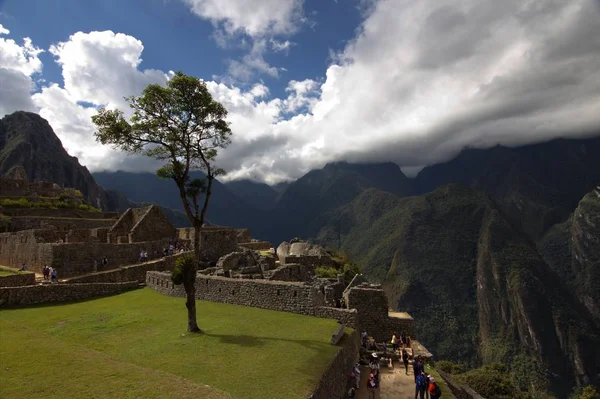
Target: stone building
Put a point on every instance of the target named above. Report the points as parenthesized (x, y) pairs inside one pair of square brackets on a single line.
[(141, 224)]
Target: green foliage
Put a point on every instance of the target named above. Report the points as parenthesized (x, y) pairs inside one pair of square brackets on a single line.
[(180, 124), (183, 265), (326, 272), (490, 381), (47, 202), (4, 220), (350, 270), (589, 392), (450, 367)]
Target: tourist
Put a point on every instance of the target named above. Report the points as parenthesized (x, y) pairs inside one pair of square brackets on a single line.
[(420, 386), (405, 360), (395, 342), (416, 367), (427, 377), (95, 266), (46, 272), (23, 267), (434, 390), (53, 276), (363, 338), (351, 392), (104, 262), (374, 366), (372, 385), (403, 339), (356, 374)]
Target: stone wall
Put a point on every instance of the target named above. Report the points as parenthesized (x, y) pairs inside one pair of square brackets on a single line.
[(50, 293), (215, 241), (367, 307), (275, 295), (128, 273), (313, 261), (87, 235), (39, 247), (153, 225), (60, 213), (17, 280), (257, 245), (33, 247), (74, 259), (458, 390), (334, 381), (373, 313), (243, 235), (292, 273), (19, 223), (13, 187)]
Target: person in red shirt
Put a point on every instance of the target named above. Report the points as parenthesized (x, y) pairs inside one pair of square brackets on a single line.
[(434, 390)]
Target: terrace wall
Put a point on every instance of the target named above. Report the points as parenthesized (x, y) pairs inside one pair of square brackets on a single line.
[(257, 245), (20, 223), (39, 247), (334, 381), (17, 280), (215, 241), (60, 213), (128, 273), (313, 261), (50, 293)]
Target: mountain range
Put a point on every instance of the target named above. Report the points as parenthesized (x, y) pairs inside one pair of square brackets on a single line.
[(495, 253)]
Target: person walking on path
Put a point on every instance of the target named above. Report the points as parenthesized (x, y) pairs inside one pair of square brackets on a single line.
[(356, 374), (405, 360), (53, 276), (372, 386), (434, 389), (395, 342), (420, 386)]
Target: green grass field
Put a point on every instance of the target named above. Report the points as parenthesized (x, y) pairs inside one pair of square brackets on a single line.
[(134, 345)]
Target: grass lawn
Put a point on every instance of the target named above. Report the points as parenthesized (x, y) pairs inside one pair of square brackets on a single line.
[(134, 345), (6, 273)]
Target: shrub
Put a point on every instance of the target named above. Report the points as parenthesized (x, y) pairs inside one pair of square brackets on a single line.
[(490, 381), (350, 270), (326, 272), (18, 203), (450, 367), (183, 264)]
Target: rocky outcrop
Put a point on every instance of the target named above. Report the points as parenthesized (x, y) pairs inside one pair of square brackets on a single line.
[(300, 248), (572, 249)]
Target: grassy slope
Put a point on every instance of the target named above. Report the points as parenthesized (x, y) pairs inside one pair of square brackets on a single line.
[(131, 345)]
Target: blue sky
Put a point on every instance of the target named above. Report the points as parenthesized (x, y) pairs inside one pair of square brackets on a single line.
[(307, 82), (176, 39)]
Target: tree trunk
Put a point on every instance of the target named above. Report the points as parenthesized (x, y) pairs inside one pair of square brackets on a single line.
[(189, 283)]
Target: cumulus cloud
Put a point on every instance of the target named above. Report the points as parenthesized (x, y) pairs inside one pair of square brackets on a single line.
[(253, 18), (259, 22), (419, 82), (98, 68), (18, 64)]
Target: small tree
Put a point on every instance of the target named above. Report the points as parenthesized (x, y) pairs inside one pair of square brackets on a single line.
[(183, 126)]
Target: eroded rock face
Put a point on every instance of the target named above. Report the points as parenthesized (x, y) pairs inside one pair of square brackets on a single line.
[(300, 248)]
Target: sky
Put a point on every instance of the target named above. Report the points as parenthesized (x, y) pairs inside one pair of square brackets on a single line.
[(308, 82)]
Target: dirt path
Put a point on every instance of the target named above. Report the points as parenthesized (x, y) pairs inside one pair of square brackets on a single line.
[(395, 384)]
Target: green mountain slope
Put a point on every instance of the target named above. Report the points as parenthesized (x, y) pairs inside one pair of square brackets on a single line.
[(572, 249), (476, 286)]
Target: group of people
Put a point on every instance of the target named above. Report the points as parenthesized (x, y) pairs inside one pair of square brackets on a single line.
[(50, 274), (425, 384), (103, 262), (374, 377)]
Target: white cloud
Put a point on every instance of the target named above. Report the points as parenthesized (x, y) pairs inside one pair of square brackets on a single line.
[(419, 81), (254, 18), (261, 21), (18, 64)]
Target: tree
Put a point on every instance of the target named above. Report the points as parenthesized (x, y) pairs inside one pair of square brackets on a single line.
[(183, 126)]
